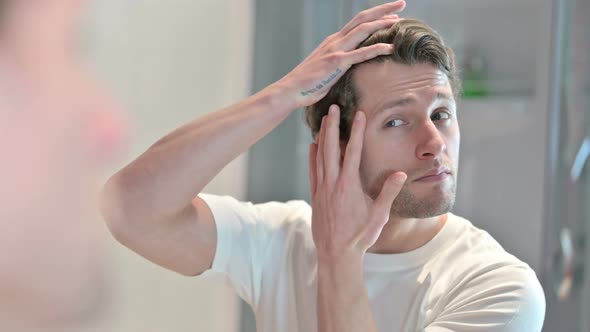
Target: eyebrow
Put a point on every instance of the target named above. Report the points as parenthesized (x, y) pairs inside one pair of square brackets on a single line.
[(411, 100)]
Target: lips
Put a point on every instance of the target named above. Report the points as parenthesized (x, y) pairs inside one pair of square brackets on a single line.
[(434, 173)]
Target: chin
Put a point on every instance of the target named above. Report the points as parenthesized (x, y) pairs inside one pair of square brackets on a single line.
[(410, 205)]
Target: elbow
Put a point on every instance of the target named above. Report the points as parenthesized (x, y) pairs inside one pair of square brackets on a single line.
[(112, 208)]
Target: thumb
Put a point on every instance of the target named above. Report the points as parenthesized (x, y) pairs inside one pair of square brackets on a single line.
[(391, 188)]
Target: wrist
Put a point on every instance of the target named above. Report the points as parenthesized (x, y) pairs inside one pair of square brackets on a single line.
[(281, 97), (342, 278), (344, 262)]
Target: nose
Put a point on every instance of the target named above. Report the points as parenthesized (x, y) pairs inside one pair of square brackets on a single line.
[(431, 144)]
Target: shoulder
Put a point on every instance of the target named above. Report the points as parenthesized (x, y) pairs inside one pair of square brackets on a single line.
[(488, 283), (476, 244), (475, 253), (507, 299)]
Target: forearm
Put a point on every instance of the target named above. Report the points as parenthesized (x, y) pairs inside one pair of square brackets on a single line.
[(342, 299), (164, 179)]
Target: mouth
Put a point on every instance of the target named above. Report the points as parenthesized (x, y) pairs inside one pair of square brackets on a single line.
[(435, 175)]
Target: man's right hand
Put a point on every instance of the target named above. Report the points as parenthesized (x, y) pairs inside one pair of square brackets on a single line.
[(311, 80)]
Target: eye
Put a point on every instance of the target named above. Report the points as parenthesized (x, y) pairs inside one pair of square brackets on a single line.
[(395, 123), (439, 116)]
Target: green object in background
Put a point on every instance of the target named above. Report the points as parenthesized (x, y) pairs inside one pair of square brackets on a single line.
[(474, 88), (474, 74)]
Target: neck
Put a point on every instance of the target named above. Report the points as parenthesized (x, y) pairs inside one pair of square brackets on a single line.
[(406, 234)]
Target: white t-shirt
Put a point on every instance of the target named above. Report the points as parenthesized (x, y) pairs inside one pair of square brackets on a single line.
[(462, 280)]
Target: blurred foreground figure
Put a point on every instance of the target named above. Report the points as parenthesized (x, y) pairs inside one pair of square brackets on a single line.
[(58, 132)]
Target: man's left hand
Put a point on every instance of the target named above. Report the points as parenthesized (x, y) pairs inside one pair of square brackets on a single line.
[(345, 220)]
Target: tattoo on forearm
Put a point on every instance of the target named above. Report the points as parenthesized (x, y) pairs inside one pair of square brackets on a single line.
[(323, 83)]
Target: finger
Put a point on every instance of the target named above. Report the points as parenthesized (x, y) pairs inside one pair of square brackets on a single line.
[(332, 145), (320, 153), (354, 147), (313, 150), (366, 53), (351, 40), (339, 36), (373, 14), (391, 188)]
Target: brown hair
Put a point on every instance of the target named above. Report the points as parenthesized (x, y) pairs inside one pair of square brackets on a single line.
[(415, 43)]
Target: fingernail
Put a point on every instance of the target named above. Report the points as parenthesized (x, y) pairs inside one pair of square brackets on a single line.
[(401, 178), (332, 110), (357, 116)]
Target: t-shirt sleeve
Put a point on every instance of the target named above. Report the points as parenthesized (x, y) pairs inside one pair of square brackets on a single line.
[(507, 299), (244, 234)]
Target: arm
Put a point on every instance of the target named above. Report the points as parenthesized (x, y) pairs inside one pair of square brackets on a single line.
[(343, 302), (345, 223), (151, 205)]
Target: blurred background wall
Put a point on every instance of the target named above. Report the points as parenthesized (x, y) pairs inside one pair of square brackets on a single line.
[(168, 63)]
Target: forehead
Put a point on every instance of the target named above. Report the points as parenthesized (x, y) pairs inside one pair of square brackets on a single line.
[(380, 82)]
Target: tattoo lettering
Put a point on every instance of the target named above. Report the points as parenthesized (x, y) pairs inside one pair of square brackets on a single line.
[(323, 83)]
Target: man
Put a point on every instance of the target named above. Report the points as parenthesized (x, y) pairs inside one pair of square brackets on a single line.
[(378, 249)]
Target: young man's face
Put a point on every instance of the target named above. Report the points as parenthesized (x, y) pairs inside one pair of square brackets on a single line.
[(411, 127)]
